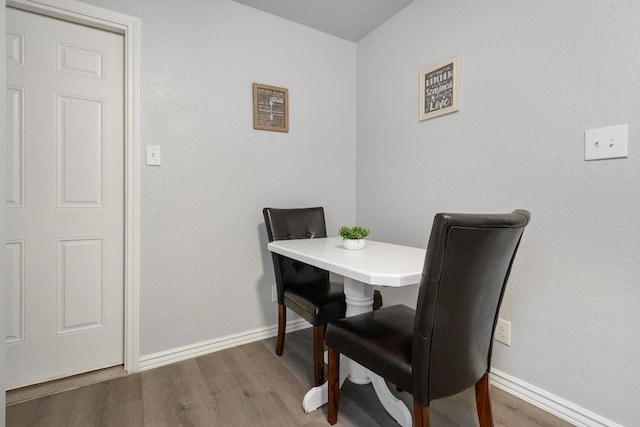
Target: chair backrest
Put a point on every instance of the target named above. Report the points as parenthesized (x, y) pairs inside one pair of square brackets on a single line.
[(296, 223), (467, 266)]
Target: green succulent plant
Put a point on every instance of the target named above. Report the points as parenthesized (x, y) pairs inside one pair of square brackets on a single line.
[(355, 232)]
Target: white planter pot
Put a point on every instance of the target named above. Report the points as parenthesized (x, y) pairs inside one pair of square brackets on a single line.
[(354, 244)]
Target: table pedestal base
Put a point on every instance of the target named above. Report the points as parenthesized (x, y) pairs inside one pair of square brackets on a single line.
[(319, 396), (394, 406), (359, 298)]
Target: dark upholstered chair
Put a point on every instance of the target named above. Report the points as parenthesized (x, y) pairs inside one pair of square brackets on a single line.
[(303, 288), (443, 346)]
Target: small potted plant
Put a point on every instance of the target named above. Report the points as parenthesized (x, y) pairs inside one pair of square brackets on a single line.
[(353, 236)]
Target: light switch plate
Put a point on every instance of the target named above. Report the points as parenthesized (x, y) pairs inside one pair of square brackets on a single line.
[(153, 155), (606, 143)]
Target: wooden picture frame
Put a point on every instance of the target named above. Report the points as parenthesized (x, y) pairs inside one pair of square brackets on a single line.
[(440, 89), (270, 108)]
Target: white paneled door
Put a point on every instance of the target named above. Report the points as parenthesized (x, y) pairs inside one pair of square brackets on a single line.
[(65, 198)]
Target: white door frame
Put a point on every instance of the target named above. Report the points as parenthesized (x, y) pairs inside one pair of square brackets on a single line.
[(129, 27)]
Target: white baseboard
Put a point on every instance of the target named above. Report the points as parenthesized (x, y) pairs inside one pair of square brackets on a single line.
[(178, 354), (529, 393), (548, 402)]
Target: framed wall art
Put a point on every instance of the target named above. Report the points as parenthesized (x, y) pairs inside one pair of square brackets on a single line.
[(270, 108), (440, 89)]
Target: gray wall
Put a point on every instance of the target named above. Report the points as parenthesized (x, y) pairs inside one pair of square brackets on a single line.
[(205, 270), (535, 76)]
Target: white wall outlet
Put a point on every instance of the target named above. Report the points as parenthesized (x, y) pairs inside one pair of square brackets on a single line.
[(503, 332), (274, 293), (153, 155), (606, 143)]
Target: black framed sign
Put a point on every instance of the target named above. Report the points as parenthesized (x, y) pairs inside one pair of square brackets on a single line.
[(440, 89)]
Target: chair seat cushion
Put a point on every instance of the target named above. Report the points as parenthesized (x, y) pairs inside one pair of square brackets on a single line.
[(317, 303), (381, 340)]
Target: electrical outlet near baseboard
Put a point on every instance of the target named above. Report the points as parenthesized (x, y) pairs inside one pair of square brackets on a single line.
[(503, 332), (274, 293)]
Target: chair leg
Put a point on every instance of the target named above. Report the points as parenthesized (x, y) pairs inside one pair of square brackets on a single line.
[(318, 355), (420, 415), (483, 401), (334, 386), (282, 323), (377, 300)]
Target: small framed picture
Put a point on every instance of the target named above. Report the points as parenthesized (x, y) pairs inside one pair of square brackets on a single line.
[(440, 89), (270, 108)]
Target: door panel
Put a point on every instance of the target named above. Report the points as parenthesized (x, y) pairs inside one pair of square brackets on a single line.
[(65, 198)]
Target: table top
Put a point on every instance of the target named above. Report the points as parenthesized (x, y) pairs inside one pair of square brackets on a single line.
[(377, 264)]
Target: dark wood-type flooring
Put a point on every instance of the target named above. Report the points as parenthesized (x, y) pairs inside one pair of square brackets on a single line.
[(245, 386)]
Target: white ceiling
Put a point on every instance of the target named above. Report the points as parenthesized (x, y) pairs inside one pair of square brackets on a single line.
[(348, 19)]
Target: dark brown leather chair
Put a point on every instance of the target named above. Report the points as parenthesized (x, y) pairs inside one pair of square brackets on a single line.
[(444, 346), (303, 288)]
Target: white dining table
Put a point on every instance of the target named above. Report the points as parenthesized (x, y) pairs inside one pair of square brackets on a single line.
[(378, 263)]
